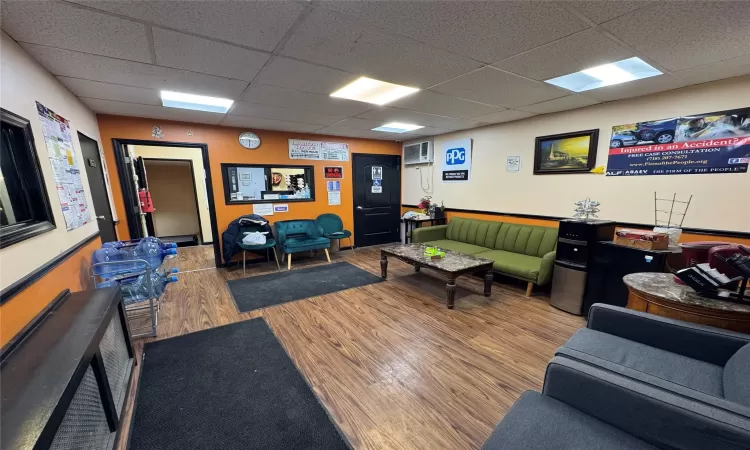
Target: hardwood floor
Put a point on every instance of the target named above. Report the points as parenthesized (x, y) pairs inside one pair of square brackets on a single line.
[(392, 365)]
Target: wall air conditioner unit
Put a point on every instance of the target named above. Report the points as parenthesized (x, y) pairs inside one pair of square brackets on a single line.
[(418, 153)]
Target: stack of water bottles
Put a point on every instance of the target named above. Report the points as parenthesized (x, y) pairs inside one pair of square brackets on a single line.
[(138, 267)]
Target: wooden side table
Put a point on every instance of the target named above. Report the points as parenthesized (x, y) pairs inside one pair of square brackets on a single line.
[(659, 294)]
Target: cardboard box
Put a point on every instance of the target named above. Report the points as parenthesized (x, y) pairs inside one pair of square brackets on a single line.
[(654, 244)]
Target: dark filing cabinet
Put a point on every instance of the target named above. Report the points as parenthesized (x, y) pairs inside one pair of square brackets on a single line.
[(611, 262), (576, 248)]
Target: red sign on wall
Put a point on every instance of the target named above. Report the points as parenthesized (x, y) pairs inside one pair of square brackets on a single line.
[(333, 172)]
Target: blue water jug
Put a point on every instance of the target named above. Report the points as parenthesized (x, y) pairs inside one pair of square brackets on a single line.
[(113, 255), (150, 251), (136, 289), (134, 242)]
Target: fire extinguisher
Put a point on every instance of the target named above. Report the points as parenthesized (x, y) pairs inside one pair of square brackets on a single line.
[(144, 197)]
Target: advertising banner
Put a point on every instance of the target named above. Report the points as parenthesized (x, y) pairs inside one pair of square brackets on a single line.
[(717, 142), (456, 160)]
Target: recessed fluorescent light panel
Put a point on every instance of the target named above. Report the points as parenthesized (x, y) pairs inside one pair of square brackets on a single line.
[(605, 75), (373, 91), (197, 102), (396, 127)]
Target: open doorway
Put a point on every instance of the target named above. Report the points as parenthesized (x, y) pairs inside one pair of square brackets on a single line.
[(168, 193)]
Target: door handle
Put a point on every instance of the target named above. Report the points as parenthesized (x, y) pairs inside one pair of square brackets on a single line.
[(360, 208), (100, 217)]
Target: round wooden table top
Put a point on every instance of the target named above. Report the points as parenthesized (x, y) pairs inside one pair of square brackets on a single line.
[(663, 287)]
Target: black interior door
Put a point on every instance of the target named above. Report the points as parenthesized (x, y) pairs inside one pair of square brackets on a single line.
[(377, 199), (95, 174)]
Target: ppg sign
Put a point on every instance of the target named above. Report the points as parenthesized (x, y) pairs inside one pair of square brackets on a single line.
[(455, 156)]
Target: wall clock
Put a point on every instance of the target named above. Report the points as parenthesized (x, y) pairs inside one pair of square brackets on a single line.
[(249, 140)]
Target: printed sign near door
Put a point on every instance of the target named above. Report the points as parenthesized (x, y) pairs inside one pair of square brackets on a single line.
[(717, 142), (455, 159)]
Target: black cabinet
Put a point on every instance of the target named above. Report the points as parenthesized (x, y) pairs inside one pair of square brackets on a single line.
[(65, 378), (611, 262)]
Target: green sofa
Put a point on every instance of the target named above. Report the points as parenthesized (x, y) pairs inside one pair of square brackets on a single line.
[(525, 252)]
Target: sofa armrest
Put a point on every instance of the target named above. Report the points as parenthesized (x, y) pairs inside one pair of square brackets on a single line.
[(426, 234), (656, 416), (545, 270), (701, 342)]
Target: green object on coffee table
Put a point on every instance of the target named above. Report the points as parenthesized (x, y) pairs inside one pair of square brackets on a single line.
[(434, 252)]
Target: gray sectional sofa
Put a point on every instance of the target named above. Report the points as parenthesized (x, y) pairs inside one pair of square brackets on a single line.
[(634, 380)]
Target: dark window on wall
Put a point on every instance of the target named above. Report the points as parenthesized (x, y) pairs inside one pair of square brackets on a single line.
[(24, 205)]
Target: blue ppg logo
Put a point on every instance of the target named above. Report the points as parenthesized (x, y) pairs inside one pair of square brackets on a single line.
[(455, 156)]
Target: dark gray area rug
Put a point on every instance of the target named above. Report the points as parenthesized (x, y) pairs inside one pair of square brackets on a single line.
[(231, 387), (281, 287)]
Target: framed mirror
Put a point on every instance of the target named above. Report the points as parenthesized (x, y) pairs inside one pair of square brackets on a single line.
[(266, 183)]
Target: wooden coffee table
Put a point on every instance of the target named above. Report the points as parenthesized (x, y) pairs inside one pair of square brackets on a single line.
[(453, 265)]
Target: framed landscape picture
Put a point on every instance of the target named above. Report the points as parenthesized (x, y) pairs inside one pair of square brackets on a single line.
[(566, 153)]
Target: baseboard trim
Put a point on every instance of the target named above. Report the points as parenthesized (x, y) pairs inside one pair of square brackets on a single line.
[(703, 231), (15, 288)]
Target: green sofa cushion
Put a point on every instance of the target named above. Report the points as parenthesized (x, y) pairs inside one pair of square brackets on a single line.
[(473, 231), (512, 237), (456, 246), (521, 266)]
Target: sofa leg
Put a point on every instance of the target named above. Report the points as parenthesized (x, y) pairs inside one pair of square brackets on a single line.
[(328, 257), (529, 287), (289, 262)]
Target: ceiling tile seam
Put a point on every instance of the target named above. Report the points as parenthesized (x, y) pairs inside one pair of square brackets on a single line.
[(151, 46), (165, 27), (130, 61), (604, 32), (506, 110), (106, 82), (546, 44), (418, 112), (394, 33), (279, 46), (269, 118)]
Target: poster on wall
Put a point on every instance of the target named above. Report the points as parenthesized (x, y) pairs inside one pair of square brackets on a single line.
[(317, 150), (62, 157), (455, 157), (717, 142)]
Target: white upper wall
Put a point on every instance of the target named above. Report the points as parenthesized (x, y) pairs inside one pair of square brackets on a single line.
[(719, 200), (23, 82)]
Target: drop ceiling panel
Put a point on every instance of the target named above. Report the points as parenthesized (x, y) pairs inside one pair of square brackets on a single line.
[(602, 11), (504, 116), (61, 25), (267, 124), (302, 76), (715, 71), (152, 112), (187, 52), (485, 31), (107, 91), (560, 104), (329, 39), (385, 115), (258, 25), (636, 88), (499, 88), (353, 127), (434, 103), (679, 35), (567, 55), (99, 68), (287, 114), (289, 98)]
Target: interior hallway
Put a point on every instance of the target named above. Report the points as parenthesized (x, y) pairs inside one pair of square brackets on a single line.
[(393, 367)]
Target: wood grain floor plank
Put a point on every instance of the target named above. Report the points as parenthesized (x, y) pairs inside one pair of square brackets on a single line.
[(394, 368)]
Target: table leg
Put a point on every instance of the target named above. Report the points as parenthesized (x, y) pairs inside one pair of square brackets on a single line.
[(451, 288), (383, 266), (488, 278)]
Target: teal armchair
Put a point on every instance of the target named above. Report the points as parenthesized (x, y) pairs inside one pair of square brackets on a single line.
[(270, 244), (333, 228), (297, 236)]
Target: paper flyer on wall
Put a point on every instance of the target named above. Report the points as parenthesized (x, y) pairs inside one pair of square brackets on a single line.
[(317, 150), (716, 142), (62, 157)]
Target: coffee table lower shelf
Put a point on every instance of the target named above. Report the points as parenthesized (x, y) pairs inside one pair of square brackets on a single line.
[(475, 266)]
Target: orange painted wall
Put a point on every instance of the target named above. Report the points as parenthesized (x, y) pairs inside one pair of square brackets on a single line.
[(70, 274), (686, 237), (223, 147)]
